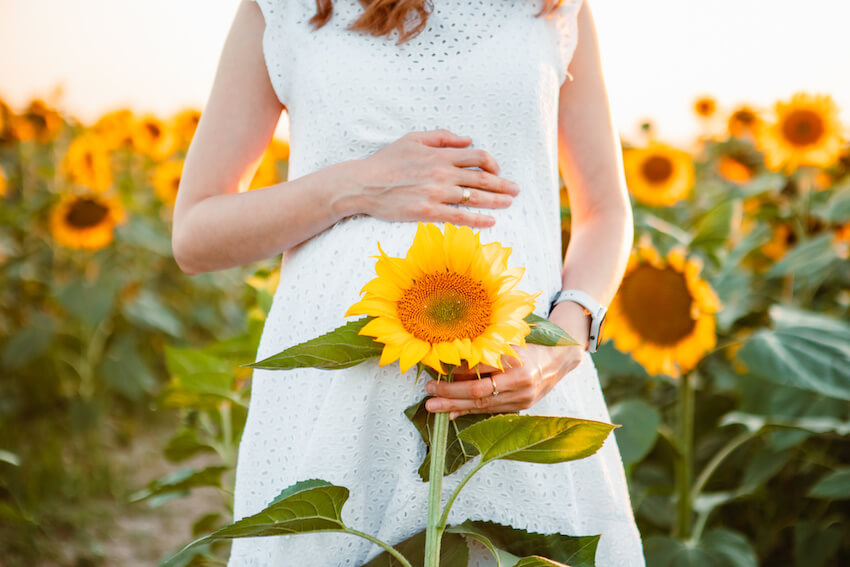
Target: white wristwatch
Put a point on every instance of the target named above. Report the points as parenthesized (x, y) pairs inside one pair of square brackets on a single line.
[(597, 312)]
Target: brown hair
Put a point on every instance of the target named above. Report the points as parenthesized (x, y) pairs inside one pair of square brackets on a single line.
[(382, 16)]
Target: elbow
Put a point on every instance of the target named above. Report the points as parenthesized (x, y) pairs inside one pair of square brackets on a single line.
[(181, 255)]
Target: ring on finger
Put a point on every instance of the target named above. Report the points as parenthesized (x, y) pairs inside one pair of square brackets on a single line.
[(495, 391), (465, 195)]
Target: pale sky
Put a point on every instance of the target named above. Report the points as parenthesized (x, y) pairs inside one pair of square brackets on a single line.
[(658, 55)]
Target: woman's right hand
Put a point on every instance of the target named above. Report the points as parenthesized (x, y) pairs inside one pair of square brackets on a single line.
[(422, 174)]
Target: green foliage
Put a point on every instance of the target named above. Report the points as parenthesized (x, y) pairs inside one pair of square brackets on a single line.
[(341, 348)]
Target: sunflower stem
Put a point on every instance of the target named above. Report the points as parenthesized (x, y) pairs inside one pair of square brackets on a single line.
[(434, 530), (684, 470)]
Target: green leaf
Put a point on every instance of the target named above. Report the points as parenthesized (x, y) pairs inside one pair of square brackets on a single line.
[(639, 429), (545, 332), (806, 258), (577, 551), (804, 350), (837, 209), (147, 310), (718, 548), (453, 552), (340, 348), (89, 302), (713, 228), (536, 561), (306, 506), (813, 424), (457, 452), (30, 342), (536, 439), (814, 544), (185, 444), (125, 370), (834, 486), (181, 480)]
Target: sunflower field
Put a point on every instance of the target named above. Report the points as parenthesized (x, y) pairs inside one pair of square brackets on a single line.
[(726, 357)]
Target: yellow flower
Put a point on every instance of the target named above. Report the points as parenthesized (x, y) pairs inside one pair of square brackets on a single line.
[(4, 182), (450, 299), (279, 149), (38, 122), (184, 124), (87, 163), (807, 131), (658, 174), (663, 313), (85, 221), (166, 180), (733, 169), (152, 137), (743, 122), (114, 128), (705, 106), (266, 173)]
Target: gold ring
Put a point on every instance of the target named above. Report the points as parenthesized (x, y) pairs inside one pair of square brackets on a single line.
[(466, 194), (495, 391)]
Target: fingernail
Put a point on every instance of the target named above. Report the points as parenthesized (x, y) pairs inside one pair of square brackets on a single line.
[(453, 415), (433, 406), (430, 387), (515, 186)]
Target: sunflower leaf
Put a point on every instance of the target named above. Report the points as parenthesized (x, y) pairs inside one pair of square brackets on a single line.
[(457, 452), (545, 332), (453, 552), (530, 548), (536, 438), (307, 506), (341, 348)]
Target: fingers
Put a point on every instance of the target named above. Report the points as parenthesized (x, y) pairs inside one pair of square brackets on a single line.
[(471, 157), (440, 138), (465, 389), (487, 182), (456, 216)]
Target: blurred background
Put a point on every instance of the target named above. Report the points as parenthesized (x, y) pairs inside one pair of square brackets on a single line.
[(122, 397)]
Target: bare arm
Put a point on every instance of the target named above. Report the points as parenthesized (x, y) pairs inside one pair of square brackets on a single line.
[(215, 226), (590, 157)]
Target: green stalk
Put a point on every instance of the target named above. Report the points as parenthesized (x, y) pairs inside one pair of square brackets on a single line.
[(434, 530), (389, 549), (684, 468)]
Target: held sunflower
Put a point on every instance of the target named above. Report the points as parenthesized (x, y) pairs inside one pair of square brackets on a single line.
[(663, 313), (450, 299), (807, 131), (85, 221), (658, 174)]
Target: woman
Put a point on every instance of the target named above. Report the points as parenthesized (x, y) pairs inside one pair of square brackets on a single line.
[(453, 112)]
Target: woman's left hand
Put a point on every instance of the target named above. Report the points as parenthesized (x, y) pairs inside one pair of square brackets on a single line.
[(519, 386), (522, 383)]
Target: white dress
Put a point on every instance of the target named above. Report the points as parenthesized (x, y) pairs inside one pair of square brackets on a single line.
[(488, 70)]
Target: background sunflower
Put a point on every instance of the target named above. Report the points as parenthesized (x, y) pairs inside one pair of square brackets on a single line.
[(663, 313), (658, 174), (86, 221)]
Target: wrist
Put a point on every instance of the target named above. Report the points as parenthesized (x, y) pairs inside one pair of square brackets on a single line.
[(343, 183), (574, 319)]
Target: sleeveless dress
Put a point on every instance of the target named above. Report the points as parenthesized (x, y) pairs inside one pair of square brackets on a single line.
[(488, 70)]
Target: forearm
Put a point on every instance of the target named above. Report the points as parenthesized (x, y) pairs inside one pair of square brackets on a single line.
[(596, 259), (234, 229)]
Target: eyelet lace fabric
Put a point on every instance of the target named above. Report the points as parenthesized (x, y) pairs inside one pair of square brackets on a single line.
[(488, 70)]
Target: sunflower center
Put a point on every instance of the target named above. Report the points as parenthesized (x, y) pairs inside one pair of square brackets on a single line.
[(445, 306), (153, 129), (744, 116), (657, 304), (657, 169), (86, 212), (803, 127)]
